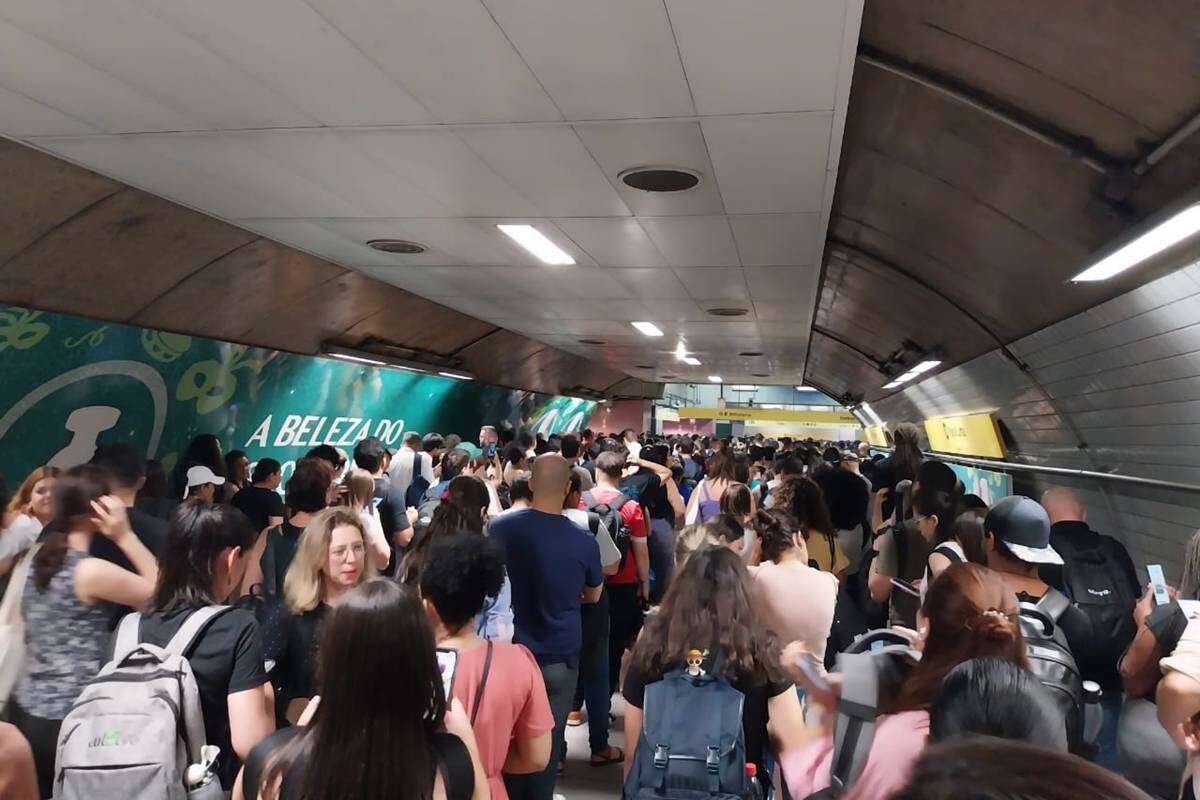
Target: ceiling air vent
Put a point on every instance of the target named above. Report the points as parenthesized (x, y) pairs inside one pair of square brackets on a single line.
[(729, 312), (750, 353), (397, 246), (592, 341), (660, 179), (760, 374), (644, 366)]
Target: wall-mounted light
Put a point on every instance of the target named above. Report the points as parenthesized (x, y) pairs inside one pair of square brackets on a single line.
[(1167, 233), (368, 358)]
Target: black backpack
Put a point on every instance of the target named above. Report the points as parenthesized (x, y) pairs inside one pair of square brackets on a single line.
[(1098, 587), (692, 745), (1052, 663), (610, 514)]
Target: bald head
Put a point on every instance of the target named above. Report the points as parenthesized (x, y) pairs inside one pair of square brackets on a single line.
[(1063, 505), (550, 482)]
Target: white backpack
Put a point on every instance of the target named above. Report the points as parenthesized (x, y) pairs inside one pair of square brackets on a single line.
[(136, 731)]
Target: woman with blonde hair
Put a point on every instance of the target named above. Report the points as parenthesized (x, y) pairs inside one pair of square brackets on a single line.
[(331, 558), (27, 513)]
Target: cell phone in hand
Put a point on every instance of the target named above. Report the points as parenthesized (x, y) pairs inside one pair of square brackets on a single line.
[(447, 664), (812, 674), (1158, 583), (905, 586), (491, 450)]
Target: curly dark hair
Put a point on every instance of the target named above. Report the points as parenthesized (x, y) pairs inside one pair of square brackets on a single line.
[(460, 512), (462, 572), (709, 607)]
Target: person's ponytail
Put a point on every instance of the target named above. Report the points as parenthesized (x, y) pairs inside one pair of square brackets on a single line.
[(994, 627)]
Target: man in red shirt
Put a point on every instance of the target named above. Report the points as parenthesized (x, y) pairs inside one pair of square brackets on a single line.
[(631, 585)]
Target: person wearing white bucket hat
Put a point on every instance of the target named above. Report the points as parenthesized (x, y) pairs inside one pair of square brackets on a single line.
[(202, 482)]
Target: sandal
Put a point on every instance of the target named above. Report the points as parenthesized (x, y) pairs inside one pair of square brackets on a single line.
[(610, 758)]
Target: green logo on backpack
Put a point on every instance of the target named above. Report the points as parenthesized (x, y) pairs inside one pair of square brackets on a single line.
[(113, 739)]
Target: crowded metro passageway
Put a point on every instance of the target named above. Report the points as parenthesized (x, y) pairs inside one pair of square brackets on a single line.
[(582, 399)]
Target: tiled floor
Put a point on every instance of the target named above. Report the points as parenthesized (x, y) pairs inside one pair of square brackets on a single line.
[(583, 782)]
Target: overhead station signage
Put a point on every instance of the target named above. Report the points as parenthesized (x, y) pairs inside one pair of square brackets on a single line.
[(876, 436), (813, 419), (970, 435)]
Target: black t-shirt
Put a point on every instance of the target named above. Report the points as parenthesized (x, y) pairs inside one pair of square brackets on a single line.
[(150, 531), (300, 653), (886, 476), (1167, 624), (651, 493), (291, 788), (226, 659), (393, 515), (754, 711), (280, 549), (259, 505)]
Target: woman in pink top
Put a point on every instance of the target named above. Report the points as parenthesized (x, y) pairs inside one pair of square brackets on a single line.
[(968, 613), (499, 685), (793, 599)]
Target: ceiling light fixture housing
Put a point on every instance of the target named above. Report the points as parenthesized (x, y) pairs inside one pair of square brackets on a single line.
[(919, 369), (401, 247), (660, 179), (1167, 233), (369, 358), (536, 242), (728, 312)]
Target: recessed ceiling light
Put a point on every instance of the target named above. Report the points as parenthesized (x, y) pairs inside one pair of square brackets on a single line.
[(805, 389), (660, 179), (691, 361), (647, 328), (536, 242), (397, 246), (592, 341), (750, 353), (714, 378), (729, 312), (744, 387), (1167, 233)]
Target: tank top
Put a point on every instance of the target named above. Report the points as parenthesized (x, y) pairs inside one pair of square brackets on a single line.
[(709, 507), (65, 642)]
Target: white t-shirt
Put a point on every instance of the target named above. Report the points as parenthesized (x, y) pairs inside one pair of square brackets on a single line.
[(402, 469), (19, 535), (949, 545), (635, 449), (609, 554)]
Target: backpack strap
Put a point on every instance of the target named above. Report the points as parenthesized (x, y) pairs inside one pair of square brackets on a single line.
[(1054, 604), (487, 667), (947, 552), (589, 499), (593, 522), (454, 765), (181, 643), (128, 635)]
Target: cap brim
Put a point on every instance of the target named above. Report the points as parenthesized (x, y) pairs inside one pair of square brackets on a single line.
[(218, 480), (1035, 555)]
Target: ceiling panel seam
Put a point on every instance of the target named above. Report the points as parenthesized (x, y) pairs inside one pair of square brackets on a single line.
[(62, 222), (189, 275)]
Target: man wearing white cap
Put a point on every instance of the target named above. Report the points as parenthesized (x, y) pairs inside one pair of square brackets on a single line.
[(202, 482), (1017, 540)]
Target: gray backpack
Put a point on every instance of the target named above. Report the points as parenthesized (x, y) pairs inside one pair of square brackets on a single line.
[(137, 727)]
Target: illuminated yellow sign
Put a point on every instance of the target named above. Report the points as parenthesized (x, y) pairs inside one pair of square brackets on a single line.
[(667, 414), (972, 435), (876, 437), (772, 414)]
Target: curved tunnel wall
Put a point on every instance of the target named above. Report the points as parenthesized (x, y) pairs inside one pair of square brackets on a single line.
[(1113, 389)]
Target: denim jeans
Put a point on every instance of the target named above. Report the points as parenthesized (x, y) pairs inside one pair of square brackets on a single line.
[(560, 680), (662, 557), (593, 689)]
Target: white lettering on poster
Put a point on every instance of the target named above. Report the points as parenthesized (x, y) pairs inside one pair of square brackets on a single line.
[(287, 432), (310, 430), (260, 433)]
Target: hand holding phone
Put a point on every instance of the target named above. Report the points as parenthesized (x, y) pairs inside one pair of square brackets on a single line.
[(1159, 584), (905, 586), (447, 664)]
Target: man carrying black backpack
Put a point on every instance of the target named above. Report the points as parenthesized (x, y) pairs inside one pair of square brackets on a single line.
[(1098, 576)]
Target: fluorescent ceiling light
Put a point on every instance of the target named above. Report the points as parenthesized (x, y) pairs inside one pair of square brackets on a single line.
[(341, 353), (924, 366), (744, 387), (535, 242), (647, 328), (358, 359), (866, 407), (805, 389), (714, 378), (456, 376), (691, 361), (919, 369), (892, 385), (1166, 234)]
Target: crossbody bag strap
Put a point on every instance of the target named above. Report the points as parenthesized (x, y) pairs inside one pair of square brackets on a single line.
[(10, 606), (487, 667), (1054, 603)]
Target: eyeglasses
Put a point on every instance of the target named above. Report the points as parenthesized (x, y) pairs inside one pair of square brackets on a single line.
[(340, 553)]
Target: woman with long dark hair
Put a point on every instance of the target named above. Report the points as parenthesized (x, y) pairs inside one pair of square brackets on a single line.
[(803, 500), (710, 607), (936, 511), (67, 603), (203, 564), (364, 741), (204, 450), (968, 613), (901, 465)]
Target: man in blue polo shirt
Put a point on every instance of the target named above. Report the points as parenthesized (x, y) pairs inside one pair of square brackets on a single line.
[(553, 566)]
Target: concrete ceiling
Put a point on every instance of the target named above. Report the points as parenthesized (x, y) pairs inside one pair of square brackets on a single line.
[(322, 124)]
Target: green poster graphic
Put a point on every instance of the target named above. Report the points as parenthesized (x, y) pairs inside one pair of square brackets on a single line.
[(987, 484), (70, 383)]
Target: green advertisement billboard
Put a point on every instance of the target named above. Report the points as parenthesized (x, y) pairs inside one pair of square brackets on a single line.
[(70, 383)]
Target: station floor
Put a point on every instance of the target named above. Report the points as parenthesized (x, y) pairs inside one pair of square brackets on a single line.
[(581, 781)]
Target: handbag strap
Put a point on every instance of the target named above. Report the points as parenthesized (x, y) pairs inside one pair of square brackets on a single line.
[(487, 667), (10, 606)]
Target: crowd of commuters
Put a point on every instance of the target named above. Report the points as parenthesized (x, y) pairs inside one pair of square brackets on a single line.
[(428, 622)]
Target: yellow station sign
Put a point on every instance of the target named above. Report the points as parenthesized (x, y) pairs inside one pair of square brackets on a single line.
[(876, 436), (813, 418), (970, 435)]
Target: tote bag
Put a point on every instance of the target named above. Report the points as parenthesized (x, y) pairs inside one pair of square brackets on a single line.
[(12, 629)]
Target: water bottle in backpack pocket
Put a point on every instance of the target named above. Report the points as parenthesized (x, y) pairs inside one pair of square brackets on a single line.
[(692, 745), (136, 731)]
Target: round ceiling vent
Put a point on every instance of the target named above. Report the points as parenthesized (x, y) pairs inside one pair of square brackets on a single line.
[(750, 353), (592, 341), (760, 374), (729, 312), (398, 246), (645, 366), (660, 179)]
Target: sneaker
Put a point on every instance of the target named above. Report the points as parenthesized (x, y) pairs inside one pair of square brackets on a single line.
[(575, 719)]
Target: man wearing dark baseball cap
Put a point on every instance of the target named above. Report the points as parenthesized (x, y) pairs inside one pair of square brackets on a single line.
[(1017, 540)]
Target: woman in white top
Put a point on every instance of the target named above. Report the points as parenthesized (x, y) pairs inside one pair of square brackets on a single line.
[(27, 513), (935, 513)]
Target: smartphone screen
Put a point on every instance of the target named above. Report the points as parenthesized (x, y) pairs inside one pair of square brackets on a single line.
[(491, 450), (1159, 583), (905, 586), (447, 662)]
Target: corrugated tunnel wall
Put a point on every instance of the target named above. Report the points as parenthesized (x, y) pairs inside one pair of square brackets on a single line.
[(1113, 389)]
